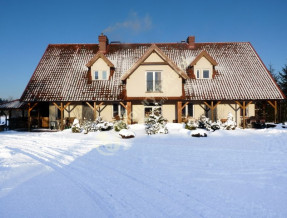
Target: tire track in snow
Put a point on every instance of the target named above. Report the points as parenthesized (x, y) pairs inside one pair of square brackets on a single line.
[(93, 195)]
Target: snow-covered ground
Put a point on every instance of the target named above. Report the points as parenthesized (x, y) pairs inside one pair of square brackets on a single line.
[(241, 173)]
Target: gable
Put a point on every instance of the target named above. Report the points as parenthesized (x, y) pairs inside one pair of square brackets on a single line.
[(154, 57), (154, 53), (97, 56), (205, 55)]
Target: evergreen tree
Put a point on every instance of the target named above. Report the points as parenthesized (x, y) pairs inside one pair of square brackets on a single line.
[(283, 79), (273, 74)]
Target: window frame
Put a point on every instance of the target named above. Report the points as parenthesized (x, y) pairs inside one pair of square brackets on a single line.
[(120, 109), (151, 106), (154, 89), (199, 73), (96, 72)]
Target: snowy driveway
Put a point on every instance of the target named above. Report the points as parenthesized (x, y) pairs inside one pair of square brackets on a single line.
[(240, 173)]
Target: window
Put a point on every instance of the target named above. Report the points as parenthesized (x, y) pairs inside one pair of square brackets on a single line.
[(101, 75), (148, 110), (187, 111), (118, 110), (205, 74), (197, 74), (96, 75), (202, 73), (153, 81), (104, 75)]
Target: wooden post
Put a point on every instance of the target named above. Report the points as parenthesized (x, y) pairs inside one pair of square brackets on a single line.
[(243, 107), (29, 115), (62, 107), (179, 111), (275, 109), (212, 107), (95, 108), (129, 112)]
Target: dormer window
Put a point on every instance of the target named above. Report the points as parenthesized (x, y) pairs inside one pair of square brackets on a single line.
[(100, 67), (96, 74), (203, 66), (104, 75), (100, 75), (203, 74)]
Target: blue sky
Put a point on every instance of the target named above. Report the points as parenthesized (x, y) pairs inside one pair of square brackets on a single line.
[(27, 27)]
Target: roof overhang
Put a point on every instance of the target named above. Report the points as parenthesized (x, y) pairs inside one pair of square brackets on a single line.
[(98, 56), (206, 55)]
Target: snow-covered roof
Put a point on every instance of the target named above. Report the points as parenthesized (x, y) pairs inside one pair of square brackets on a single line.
[(62, 74), (15, 104)]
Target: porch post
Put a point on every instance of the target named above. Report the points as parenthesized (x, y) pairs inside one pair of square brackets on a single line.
[(129, 112), (95, 110), (29, 115), (179, 111), (244, 107), (275, 109)]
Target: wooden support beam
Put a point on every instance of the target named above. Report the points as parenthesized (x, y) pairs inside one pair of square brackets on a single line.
[(123, 105), (212, 107), (179, 111), (95, 108), (186, 103), (129, 112), (243, 107), (275, 109), (62, 107), (30, 108)]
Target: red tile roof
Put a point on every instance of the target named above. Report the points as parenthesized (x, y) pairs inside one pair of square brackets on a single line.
[(62, 74)]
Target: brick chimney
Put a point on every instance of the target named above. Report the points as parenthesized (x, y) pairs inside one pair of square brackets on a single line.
[(103, 43), (191, 41)]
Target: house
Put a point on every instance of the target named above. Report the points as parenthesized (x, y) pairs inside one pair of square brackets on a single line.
[(125, 81)]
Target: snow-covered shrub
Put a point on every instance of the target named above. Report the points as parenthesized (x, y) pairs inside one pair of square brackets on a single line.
[(191, 124), (230, 123), (155, 123), (199, 133), (76, 128), (92, 126), (216, 125), (205, 123), (126, 134), (119, 125)]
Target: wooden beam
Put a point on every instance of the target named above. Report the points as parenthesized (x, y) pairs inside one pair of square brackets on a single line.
[(56, 105), (179, 111), (186, 103), (66, 105), (212, 107), (129, 112), (90, 105), (30, 108), (243, 107), (99, 105), (275, 109), (62, 116), (123, 105)]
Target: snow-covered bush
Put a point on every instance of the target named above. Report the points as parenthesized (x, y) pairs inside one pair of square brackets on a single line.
[(92, 126), (155, 123), (205, 123), (76, 128), (119, 125), (230, 123), (126, 134), (199, 133), (191, 124)]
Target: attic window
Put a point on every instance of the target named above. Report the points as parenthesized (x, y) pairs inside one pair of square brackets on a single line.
[(100, 75), (203, 74)]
